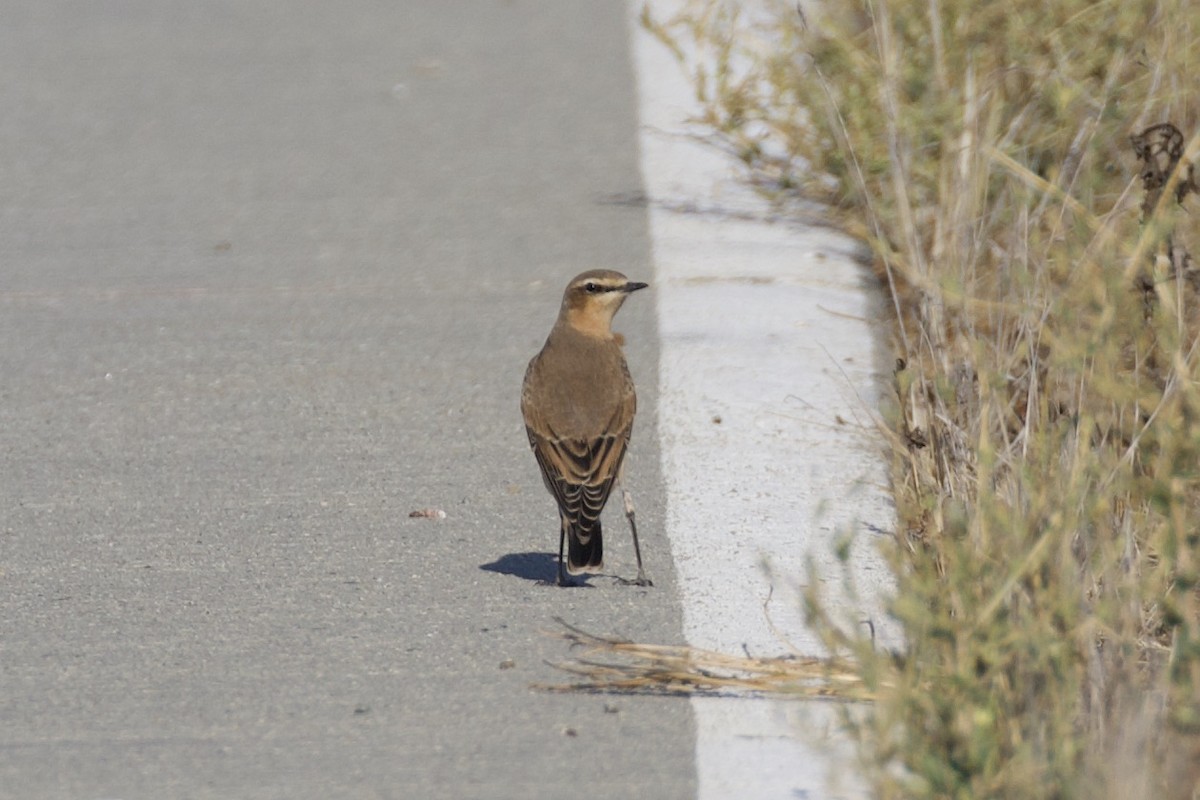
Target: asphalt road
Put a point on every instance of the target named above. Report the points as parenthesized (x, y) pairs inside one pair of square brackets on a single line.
[(269, 277)]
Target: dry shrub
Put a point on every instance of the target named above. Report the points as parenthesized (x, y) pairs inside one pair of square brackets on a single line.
[(1036, 234)]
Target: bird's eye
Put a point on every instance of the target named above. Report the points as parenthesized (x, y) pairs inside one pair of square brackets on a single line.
[(591, 288)]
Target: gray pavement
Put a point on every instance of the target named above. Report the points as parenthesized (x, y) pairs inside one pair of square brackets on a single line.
[(269, 276)]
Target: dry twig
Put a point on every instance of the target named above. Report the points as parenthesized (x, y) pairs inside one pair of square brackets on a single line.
[(611, 664)]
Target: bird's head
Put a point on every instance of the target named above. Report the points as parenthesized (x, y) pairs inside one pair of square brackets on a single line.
[(593, 298)]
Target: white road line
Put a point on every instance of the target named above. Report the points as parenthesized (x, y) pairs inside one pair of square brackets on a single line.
[(771, 373)]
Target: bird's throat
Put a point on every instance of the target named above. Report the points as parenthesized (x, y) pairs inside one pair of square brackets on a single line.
[(597, 326)]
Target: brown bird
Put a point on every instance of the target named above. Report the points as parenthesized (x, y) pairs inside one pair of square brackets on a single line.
[(578, 402)]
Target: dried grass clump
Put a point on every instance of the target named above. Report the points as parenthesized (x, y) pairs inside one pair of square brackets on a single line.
[(612, 664), (1034, 219)]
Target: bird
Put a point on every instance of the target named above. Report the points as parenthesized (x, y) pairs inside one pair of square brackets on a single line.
[(578, 401)]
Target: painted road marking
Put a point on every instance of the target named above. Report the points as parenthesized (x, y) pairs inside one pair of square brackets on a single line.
[(771, 373)]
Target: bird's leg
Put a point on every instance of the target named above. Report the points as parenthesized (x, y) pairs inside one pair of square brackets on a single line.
[(563, 580), (641, 579)]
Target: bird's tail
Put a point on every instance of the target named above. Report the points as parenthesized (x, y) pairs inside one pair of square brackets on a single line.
[(585, 549)]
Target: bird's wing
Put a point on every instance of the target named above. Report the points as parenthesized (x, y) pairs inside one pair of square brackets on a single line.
[(580, 472)]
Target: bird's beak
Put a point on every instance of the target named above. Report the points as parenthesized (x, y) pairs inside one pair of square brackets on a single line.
[(633, 287)]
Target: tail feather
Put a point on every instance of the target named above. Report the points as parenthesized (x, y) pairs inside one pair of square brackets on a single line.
[(585, 549)]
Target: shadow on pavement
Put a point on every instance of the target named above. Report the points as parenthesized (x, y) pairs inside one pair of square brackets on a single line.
[(540, 567)]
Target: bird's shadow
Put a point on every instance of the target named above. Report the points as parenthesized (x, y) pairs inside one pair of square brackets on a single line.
[(541, 568)]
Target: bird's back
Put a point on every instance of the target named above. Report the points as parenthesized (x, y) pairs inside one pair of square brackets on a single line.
[(582, 387)]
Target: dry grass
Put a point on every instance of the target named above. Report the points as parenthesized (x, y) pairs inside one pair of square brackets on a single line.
[(1034, 223), (610, 664)]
